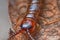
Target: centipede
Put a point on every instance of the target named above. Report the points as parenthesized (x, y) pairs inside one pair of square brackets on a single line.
[(29, 21), (27, 16)]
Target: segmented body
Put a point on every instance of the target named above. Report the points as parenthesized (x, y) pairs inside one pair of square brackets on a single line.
[(48, 19), (29, 21)]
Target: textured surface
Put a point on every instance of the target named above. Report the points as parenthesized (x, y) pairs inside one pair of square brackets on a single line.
[(48, 19)]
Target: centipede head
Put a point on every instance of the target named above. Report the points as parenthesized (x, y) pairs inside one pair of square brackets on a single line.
[(28, 24)]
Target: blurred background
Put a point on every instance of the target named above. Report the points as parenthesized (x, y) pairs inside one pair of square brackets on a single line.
[(4, 20)]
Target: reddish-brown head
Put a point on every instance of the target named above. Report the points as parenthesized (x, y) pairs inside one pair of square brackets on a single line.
[(29, 24)]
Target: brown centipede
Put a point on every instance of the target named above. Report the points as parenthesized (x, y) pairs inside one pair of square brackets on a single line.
[(25, 21), (29, 21)]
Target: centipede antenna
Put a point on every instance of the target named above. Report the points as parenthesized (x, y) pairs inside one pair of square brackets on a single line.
[(30, 35)]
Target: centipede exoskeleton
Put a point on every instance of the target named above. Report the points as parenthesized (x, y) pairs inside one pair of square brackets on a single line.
[(28, 23), (30, 18)]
